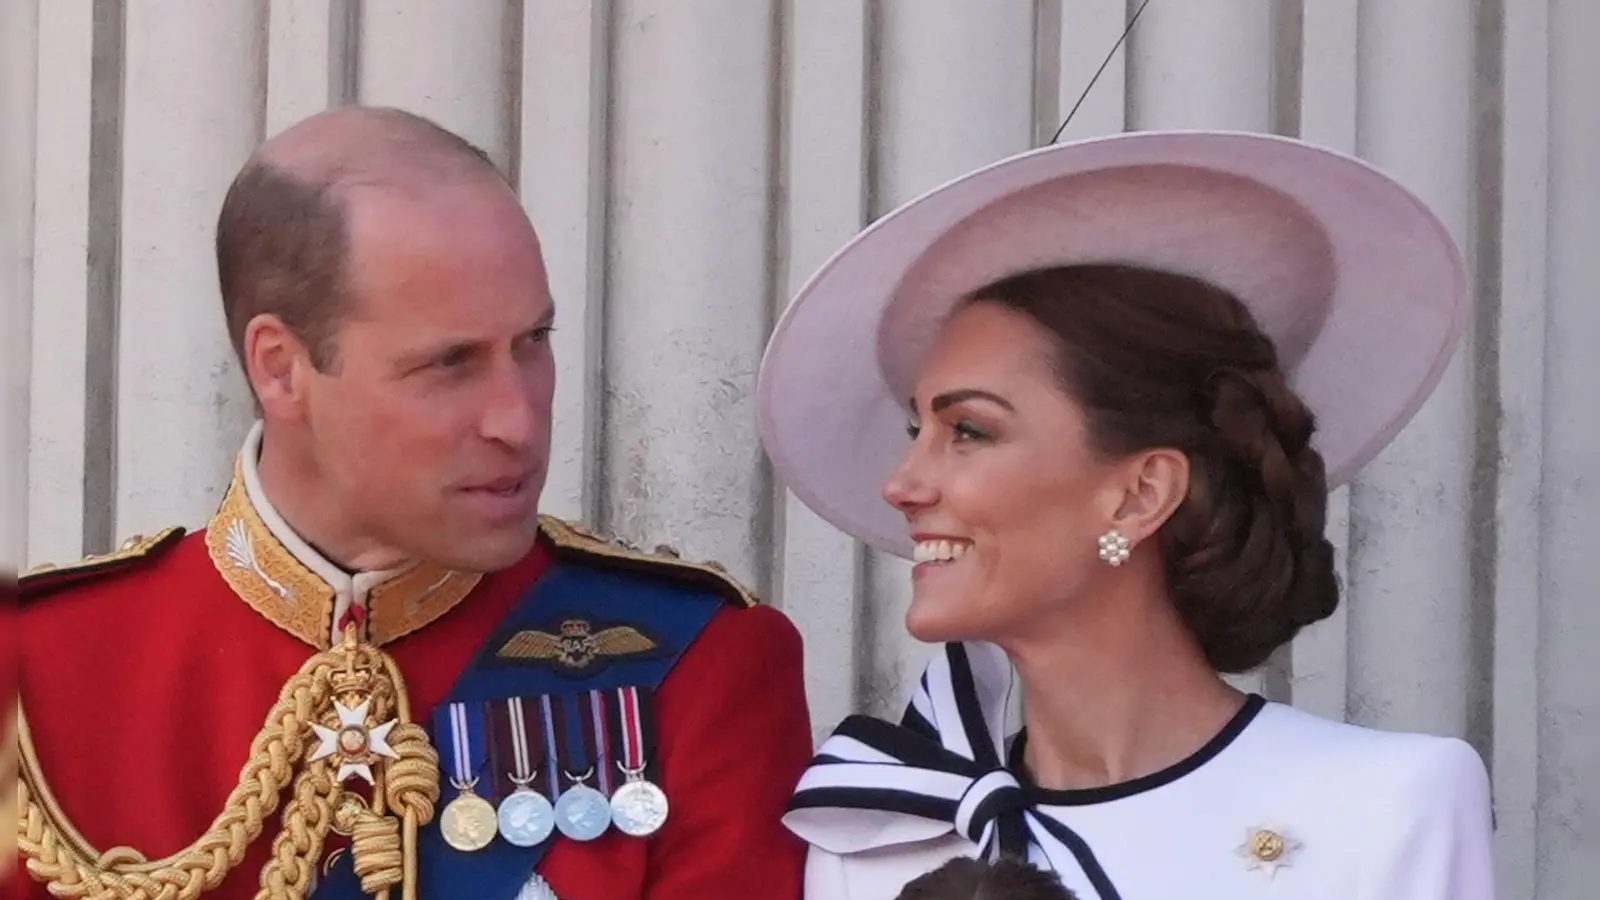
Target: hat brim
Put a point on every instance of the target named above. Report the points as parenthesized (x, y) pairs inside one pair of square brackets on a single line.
[(1356, 280)]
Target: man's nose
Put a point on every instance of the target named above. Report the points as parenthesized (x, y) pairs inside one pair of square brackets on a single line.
[(511, 412)]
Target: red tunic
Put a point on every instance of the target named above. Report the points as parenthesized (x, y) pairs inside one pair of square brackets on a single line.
[(8, 692), (144, 687)]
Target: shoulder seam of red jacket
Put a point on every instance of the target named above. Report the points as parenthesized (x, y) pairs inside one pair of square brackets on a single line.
[(47, 578), (572, 539)]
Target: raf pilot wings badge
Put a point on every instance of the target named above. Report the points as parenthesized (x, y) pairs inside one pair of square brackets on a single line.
[(578, 647)]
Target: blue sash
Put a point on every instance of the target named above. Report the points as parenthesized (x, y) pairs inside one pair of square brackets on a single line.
[(577, 596)]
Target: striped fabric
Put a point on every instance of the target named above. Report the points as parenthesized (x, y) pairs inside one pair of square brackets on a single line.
[(875, 784)]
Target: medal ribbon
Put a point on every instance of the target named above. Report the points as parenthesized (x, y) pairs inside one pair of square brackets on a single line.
[(597, 736), (547, 717), (631, 728), (519, 745), (575, 730), (464, 722)]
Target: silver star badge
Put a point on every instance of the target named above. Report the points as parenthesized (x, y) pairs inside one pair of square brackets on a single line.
[(537, 889)]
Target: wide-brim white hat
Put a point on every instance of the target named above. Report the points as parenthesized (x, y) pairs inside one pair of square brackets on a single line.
[(1356, 281)]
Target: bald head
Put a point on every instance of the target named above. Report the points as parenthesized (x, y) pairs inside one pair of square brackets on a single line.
[(374, 145), (283, 239)]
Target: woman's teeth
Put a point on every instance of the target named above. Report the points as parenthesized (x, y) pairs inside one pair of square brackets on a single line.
[(938, 551)]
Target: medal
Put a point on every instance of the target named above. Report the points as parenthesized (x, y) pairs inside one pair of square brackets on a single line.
[(582, 813), (468, 822), (639, 807), (526, 817)]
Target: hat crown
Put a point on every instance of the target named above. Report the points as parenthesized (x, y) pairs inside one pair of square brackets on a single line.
[(1165, 217)]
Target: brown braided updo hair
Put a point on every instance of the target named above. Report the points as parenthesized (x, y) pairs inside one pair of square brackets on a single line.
[(1164, 360)]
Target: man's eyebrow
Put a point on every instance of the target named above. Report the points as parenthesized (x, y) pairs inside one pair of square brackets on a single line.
[(430, 352), (448, 348)]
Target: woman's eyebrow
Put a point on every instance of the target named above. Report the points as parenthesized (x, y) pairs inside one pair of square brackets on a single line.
[(949, 398)]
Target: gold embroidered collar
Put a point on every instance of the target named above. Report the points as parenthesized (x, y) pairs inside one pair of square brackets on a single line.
[(296, 588)]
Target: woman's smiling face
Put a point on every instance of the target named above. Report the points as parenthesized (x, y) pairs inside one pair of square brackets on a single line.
[(1001, 488)]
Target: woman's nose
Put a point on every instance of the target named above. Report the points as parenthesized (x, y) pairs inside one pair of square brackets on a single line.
[(907, 490)]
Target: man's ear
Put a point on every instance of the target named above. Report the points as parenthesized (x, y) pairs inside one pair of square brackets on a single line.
[(1153, 484), (278, 365)]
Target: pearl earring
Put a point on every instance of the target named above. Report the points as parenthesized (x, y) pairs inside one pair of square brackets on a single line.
[(1114, 547)]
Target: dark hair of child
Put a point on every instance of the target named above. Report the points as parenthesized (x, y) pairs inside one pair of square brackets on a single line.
[(964, 878)]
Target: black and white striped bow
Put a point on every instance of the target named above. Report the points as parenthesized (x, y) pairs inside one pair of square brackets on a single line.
[(875, 784)]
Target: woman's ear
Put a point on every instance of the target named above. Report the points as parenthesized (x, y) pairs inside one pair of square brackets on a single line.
[(1153, 484)]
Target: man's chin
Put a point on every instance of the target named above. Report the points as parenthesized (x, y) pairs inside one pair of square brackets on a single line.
[(489, 552)]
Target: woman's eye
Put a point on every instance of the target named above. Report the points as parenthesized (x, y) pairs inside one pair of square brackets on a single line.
[(966, 431), (962, 431)]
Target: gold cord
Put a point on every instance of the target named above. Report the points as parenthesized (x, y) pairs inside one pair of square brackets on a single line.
[(384, 848)]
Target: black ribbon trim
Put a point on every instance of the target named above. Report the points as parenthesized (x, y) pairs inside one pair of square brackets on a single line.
[(915, 744)]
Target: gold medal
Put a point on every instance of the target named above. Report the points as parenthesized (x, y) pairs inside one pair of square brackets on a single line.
[(469, 822)]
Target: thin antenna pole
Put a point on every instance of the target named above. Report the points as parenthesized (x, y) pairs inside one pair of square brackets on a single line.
[(1107, 61)]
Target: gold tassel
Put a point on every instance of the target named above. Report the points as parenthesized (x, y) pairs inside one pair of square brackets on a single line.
[(385, 843)]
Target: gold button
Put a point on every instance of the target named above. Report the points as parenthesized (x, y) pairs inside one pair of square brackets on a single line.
[(1266, 845)]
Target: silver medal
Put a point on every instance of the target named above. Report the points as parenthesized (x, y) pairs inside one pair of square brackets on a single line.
[(583, 813), (638, 808), (527, 818)]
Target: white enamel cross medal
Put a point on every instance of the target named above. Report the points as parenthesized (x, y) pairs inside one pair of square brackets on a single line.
[(355, 745)]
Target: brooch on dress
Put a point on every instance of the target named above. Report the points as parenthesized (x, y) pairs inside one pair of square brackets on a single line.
[(1267, 849)]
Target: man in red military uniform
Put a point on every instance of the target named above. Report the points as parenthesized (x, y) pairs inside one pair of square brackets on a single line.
[(378, 670)]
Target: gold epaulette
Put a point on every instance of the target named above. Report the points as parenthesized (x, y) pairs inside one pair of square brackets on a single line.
[(571, 537), (47, 577)]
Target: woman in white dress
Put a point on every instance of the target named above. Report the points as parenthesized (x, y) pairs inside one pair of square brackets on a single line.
[(1133, 367)]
